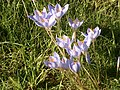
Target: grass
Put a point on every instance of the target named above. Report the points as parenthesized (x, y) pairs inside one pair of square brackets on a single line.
[(24, 46)]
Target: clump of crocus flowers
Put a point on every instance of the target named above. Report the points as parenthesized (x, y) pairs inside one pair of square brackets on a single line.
[(73, 47)]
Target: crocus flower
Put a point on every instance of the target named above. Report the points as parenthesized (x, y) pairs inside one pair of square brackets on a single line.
[(75, 24), (64, 42), (93, 34), (65, 63), (43, 19), (75, 66), (84, 45), (58, 11), (75, 52), (54, 61)]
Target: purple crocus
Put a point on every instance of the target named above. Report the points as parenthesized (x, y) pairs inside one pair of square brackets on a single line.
[(75, 52), (65, 63), (75, 66), (93, 34), (43, 19), (54, 61), (75, 24), (64, 42), (58, 11), (84, 45)]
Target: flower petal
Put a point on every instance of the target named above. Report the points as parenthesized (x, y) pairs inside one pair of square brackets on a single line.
[(97, 32), (70, 21), (58, 8), (75, 66), (50, 64), (56, 56), (51, 8), (52, 21), (37, 13), (32, 17), (39, 24), (44, 13), (65, 8)]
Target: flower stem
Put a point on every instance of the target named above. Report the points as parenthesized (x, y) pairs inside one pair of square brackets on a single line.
[(74, 36), (58, 27), (53, 39)]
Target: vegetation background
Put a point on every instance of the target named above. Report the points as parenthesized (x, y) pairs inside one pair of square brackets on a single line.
[(24, 46)]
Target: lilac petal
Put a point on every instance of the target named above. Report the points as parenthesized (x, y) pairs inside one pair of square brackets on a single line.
[(65, 63), (70, 21), (77, 50), (88, 30), (36, 16), (74, 52), (96, 28), (75, 66), (88, 41), (56, 56), (75, 26), (43, 21), (37, 13), (50, 7), (58, 14), (79, 42), (81, 23), (50, 64), (82, 45), (65, 8), (97, 32), (44, 13), (60, 42), (66, 39), (58, 8), (49, 15), (53, 24), (39, 24), (45, 24), (87, 56), (64, 42), (55, 59), (52, 21), (69, 51), (44, 10), (31, 17)]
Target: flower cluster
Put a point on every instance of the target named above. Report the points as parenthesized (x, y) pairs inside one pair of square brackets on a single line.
[(74, 52), (55, 62), (74, 48), (48, 19), (80, 46)]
